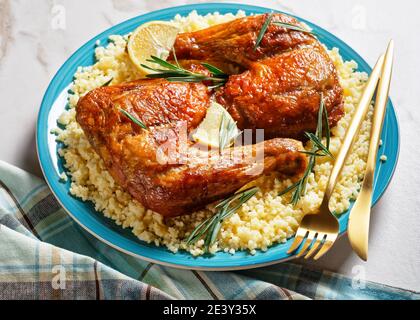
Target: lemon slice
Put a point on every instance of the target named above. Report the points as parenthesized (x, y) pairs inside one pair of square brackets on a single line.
[(154, 38), (216, 123)]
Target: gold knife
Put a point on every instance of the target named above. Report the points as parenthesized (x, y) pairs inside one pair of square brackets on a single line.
[(358, 227)]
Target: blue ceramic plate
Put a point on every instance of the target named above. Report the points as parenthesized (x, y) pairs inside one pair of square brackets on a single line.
[(55, 100)]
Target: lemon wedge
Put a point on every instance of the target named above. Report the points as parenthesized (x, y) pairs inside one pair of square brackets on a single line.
[(217, 128), (154, 38)]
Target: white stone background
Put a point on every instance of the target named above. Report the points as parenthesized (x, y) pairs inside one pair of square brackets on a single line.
[(32, 50)]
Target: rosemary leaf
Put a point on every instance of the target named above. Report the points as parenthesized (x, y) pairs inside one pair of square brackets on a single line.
[(263, 30), (214, 70), (106, 84), (292, 27), (212, 234), (285, 25), (189, 79), (327, 126), (195, 232), (200, 230), (227, 201), (315, 140), (134, 119), (162, 63), (159, 71), (319, 128), (167, 74), (315, 154), (288, 189)]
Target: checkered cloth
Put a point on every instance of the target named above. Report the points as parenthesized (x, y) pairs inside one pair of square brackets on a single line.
[(44, 254)]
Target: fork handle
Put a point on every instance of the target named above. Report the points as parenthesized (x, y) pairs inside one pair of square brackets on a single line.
[(379, 111), (354, 127)]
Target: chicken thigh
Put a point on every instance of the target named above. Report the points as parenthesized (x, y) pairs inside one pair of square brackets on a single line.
[(160, 166), (280, 83)]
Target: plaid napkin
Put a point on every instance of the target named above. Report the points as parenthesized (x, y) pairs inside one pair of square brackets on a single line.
[(44, 254)]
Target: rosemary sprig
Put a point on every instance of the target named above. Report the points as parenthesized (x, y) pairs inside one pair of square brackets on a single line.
[(133, 119), (285, 25), (209, 229), (318, 150), (176, 73), (228, 132)]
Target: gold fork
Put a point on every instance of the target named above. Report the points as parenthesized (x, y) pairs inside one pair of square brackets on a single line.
[(321, 228), (358, 228)]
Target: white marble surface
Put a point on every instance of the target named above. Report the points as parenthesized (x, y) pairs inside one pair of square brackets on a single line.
[(33, 46)]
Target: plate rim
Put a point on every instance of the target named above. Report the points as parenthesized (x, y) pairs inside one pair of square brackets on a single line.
[(204, 6)]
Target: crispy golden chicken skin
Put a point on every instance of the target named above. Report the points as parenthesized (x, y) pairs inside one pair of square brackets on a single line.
[(161, 167), (280, 83)]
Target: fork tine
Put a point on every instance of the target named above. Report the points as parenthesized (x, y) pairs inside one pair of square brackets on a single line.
[(324, 249), (316, 245), (311, 236), (329, 241), (300, 235)]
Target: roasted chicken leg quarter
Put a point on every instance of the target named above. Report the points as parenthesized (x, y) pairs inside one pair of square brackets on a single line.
[(280, 83), (134, 155)]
